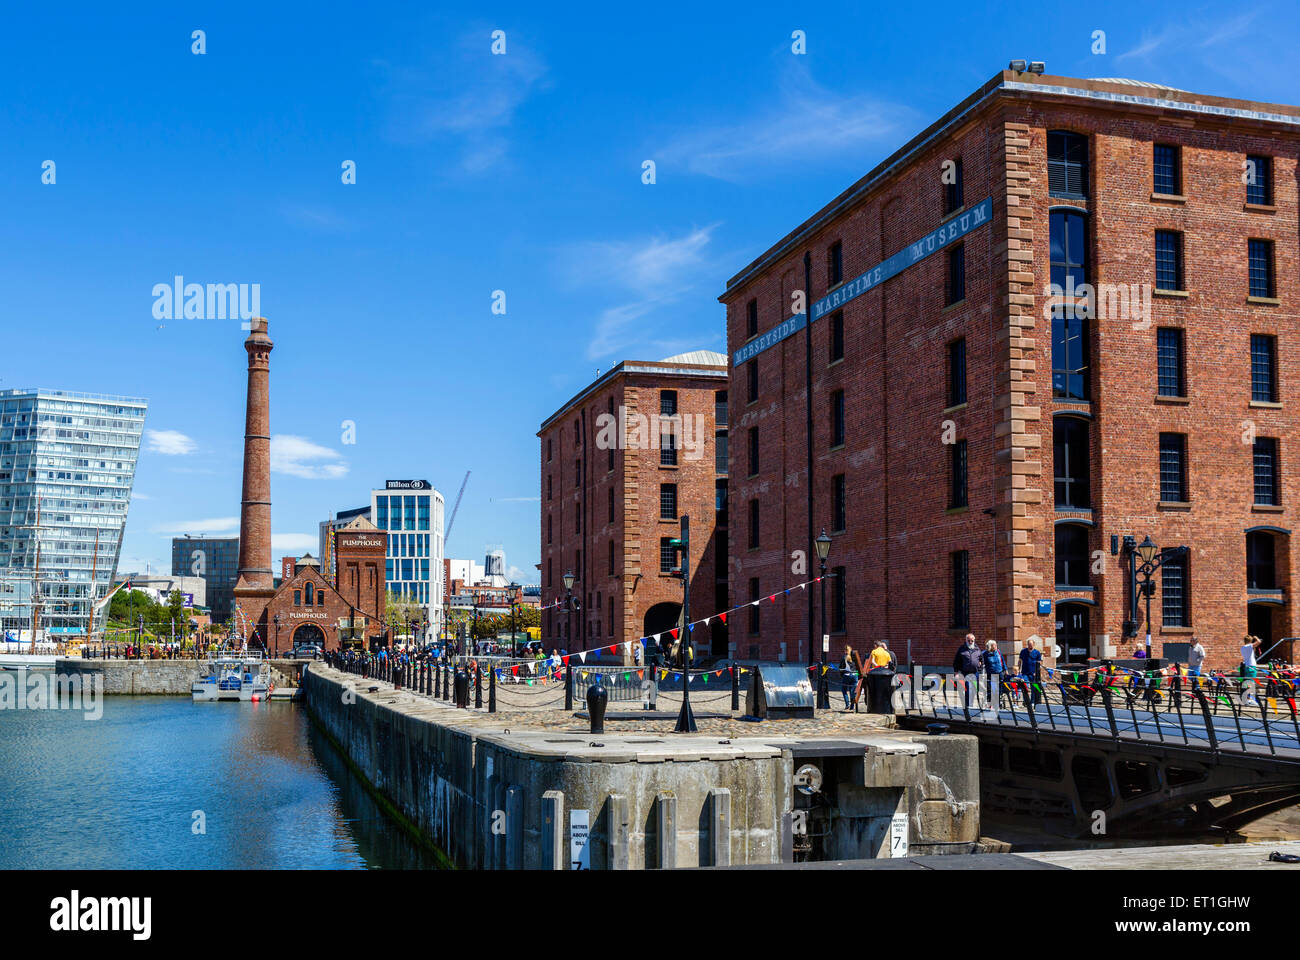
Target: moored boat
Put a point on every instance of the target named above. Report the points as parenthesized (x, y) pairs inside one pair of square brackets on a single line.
[(237, 676)]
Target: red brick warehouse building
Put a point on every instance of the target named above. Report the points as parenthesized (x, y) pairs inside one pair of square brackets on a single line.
[(621, 462), (980, 447)]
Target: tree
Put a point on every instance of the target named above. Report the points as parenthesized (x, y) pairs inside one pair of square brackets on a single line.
[(399, 609)]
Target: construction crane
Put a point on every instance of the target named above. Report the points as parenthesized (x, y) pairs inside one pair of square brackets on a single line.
[(447, 533)]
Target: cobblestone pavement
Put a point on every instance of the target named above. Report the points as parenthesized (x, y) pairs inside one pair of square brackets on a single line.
[(541, 707)]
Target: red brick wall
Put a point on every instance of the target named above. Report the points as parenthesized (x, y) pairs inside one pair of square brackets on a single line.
[(614, 606), (899, 535)]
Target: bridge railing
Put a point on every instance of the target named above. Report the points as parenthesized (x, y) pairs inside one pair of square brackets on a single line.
[(1216, 712)]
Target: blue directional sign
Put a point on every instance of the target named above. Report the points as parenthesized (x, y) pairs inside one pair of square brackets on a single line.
[(913, 253), (1044, 607)]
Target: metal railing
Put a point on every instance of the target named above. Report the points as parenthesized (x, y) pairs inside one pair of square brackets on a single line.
[(1219, 712)]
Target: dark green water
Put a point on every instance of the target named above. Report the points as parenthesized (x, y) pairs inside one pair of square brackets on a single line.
[(121, 792)]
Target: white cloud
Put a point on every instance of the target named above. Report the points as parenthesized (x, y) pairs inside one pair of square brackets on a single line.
[(652, 275), (470, 96), (807, 123), (519, 575), (198, 527), (299, 457), (141, 496), (517, 499), (295, 543), (170, 443), (1179, 37)]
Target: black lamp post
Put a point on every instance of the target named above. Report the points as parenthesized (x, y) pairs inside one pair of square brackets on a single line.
[(568, 605), (685, 717), (1142, 577), (276, 620), (823, 544), (514, 644)]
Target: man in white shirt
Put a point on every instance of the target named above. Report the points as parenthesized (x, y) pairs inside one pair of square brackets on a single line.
[(1195, 657)]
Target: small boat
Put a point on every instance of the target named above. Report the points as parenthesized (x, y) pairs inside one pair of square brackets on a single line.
[(234, 676)]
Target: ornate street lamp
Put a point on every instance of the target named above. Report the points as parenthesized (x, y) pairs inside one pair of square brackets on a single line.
[(514, 644), (823, 544), (568, 605)]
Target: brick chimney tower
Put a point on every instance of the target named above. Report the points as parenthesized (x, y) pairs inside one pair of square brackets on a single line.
[(255, 585)]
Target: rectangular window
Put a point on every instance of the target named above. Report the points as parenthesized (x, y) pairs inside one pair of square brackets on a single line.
[(577, 473), (835, 263), (751, 379), (668, 403), (960, 561), (1266, 471), (957, 372), (1071, 462), (720, 459), (1259, 180), (839, 503), (1173, 592), (839, 600), (720, 503), (667, 501), (1169, 260), (577, 522), (1261, 268), (952, 191), (957, 493), (611, 504), (1173, 467), (837, 419), (611, 558), (548, 452), (1263, 368), (956, 286), (668, 449), (835, 332), (1067, 164), (751, 319), (667, 555), (1166, 174), (753, 524), (720, 408), (550, 486), (753, 451), (1169, 362), (381, 513), (550, 531), (753, 607)]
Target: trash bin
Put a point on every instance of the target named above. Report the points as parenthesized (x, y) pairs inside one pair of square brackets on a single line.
[(880, 691)]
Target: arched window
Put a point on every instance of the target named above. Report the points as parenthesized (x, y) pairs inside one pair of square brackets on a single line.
[(1070, 455), (1071, 555), (1261, 570), (310, 592)]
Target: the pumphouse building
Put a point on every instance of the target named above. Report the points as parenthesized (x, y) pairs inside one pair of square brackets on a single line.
[(1061, 316)]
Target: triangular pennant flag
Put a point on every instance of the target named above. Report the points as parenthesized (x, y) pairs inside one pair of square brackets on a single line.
[(614, 648), (690, 627), (640, 674), (582, 656), (787, 589), (673, 631), (706, 620), (722, 617), (772, 598), (802, 586), (657, 636), (515, 670)]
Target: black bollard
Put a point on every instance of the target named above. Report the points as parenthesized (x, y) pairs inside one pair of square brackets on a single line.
[(462, 689), (478, 687), (437, 682), (597, 701), (568, 687), (446, 683), (735, 687), (492, 691)]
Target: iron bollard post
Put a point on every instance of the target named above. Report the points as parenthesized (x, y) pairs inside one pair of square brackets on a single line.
[(492, 691), (735, 688), (437, 681), (568, 687), (478, 687), (446, 682), (597, 701)]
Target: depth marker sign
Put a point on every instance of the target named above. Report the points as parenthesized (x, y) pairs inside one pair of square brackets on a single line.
[(579, 830)]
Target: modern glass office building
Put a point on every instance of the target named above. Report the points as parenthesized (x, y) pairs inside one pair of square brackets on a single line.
[(216, 560), (67, 464), (412, 511)]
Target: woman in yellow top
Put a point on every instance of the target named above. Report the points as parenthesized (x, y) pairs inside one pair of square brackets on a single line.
[(879, 656)]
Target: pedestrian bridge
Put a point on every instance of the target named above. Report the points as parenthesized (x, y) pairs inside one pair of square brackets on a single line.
[(1093, 757)]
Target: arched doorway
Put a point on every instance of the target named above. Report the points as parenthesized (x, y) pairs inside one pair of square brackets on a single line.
[(661, 618), (309, 633)]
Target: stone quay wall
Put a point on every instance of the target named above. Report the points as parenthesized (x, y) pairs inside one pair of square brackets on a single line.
[(135, 677), (491, 797)]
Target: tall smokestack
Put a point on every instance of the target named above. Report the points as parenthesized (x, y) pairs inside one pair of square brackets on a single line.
[(256, 578)]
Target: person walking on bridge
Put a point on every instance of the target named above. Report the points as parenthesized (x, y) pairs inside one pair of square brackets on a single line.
[(1031, 660), (966, 662)]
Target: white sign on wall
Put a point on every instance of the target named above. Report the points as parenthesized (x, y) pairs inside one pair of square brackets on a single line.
[(579, 831), (898, 835)]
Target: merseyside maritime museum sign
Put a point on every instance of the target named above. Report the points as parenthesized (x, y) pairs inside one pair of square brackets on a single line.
[(954, 229)]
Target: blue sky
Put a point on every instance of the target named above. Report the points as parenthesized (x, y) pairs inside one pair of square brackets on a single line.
[(474, 173)]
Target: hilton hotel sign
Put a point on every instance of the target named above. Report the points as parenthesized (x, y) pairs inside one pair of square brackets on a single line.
[(954, 229)]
